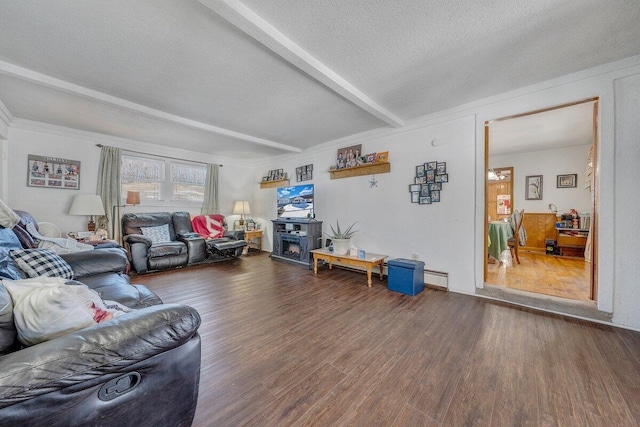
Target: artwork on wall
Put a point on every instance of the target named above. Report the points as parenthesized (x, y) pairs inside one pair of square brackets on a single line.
[(53, 172), (304, 173), (348, 156), (533, 187), (428, 182), (275, 175), (567, 181)]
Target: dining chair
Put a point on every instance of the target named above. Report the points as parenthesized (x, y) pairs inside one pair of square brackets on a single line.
[(513, 242)]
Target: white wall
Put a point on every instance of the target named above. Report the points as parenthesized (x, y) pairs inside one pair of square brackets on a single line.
[(549, 164), (627, 202), (52, 205), (388, 222)]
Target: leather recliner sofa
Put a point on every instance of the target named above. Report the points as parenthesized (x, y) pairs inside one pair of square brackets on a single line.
[(184, 248), (141, 368), (147, 256)]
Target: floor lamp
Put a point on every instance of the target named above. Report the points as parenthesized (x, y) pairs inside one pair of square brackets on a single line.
[(133, 198)]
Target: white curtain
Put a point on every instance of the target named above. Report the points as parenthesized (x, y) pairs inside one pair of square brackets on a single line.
[(210, 205), (109, 184)]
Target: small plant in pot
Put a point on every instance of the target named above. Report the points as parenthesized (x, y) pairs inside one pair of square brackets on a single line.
[(340, 239)]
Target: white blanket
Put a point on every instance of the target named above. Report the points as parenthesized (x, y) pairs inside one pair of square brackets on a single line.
[(58, 245), (8, 218)]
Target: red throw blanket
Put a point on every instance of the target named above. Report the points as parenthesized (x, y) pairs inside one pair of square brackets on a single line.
[(208, 226)]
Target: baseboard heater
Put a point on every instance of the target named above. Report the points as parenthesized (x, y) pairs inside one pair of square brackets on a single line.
[(432, 278)]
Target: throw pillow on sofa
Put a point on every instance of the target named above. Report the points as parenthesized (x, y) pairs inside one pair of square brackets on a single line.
[(45, 308), (41, 262), (159, 234)]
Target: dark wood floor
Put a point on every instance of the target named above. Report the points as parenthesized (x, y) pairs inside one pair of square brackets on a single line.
[(282, 347)]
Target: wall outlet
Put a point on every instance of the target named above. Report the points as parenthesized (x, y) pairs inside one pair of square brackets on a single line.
[(414, 257)]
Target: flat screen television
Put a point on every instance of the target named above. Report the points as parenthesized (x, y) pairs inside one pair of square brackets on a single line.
[(296, 201)]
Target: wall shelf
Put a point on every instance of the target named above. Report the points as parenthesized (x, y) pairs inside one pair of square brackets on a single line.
[(276, 183), (361, 170)]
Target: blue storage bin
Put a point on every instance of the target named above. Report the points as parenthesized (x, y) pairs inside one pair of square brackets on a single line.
[(405, 276)]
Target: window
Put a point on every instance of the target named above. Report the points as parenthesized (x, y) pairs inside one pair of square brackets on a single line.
[(146, 174), (187, 182)]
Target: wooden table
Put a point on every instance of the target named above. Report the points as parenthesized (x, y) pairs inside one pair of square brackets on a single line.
[(368, 262), (251, 235)]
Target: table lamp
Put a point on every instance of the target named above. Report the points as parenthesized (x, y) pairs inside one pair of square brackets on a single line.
[(241, 207), (87, 204)]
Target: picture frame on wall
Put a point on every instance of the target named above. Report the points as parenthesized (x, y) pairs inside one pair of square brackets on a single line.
[(415, 197), (430, 166), (533, 187), (414, 188), (347, 157), (53, 172), (567, 181)]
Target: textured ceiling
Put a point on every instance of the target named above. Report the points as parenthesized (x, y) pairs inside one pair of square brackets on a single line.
[(261, 77)]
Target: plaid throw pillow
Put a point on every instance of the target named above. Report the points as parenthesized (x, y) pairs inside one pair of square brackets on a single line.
[(159, 234), (41, 262)]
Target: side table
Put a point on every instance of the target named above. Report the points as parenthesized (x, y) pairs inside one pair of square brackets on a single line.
[(254, 240)]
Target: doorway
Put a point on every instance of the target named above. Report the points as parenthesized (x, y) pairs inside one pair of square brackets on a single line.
[(554, 147)]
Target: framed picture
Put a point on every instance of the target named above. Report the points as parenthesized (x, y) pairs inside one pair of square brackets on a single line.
[(435, 196), (414, 188), (425, 200), (415, 197), (424, 190), (430, 166), (533, 187), (371, 157), (53, 172), (567, 181), (435, 186), (304, 173), (442, 178), (382, 157), (348, 156), (441, 168), (420, 170), (430, 175)]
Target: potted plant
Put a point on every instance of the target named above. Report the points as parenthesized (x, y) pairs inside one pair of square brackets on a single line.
[(341, 239)]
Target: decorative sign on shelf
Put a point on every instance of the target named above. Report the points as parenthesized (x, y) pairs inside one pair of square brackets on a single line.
[(274, 175), (53, 172), (304, 173), (428, 183)]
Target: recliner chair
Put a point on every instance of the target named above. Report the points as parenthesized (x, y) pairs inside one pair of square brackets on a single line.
[(227, 244), (147, 256)]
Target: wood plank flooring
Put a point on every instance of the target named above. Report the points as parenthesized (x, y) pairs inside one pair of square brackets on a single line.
[(282, 347), (537, 272)]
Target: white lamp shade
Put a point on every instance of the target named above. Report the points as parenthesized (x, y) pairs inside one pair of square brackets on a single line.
[(87, 204), (241, 207)]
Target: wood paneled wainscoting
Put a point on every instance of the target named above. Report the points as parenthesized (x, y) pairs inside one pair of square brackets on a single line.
[(539, 227)]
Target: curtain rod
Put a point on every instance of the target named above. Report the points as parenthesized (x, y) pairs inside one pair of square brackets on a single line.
[(167, 157)]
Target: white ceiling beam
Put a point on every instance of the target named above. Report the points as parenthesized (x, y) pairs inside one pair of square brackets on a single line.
[(9, 69), (247, 21)]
